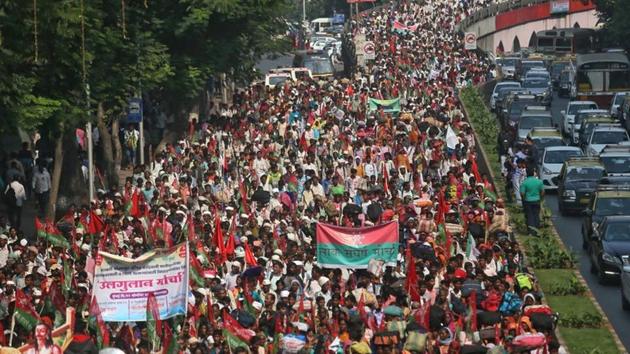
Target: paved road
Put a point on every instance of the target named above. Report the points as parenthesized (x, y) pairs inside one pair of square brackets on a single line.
[(569, 228)]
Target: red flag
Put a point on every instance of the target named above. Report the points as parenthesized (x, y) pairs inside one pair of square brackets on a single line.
[(3, 338), (95, 311), (230, 246), (473, 308), (192, 323), (361, 306), (134, 211), (449, 241), (235, 328), (411, 282), (249, 256), (96, 224), (475, 168), (154, 324), (218, 239)]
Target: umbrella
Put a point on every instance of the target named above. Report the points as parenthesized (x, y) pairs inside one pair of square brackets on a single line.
[(261, 196), (252, 272)]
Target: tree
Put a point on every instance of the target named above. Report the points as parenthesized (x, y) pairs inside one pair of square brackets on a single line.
[(614, 14)]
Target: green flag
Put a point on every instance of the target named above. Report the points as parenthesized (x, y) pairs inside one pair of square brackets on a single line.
[(154, 325), (388, 106), (25, 314)]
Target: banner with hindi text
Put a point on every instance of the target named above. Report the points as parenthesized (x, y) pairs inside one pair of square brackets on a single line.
[(343, 247), (122, 285)]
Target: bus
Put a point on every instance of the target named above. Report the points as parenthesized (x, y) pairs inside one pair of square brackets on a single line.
[(601, 75), (566, 41)]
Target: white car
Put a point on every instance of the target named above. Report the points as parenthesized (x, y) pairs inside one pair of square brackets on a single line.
[(568, 115), (551, 162), (602, 136), (625, 283), (616, 102), (322, 42), (274, 79), (499, 86), (579, 117)]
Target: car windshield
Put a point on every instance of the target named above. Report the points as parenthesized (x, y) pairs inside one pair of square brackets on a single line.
[(574, 108), (619, 99), (542, 143), (560, 156), (319, 66), (616, 164), (274, 80), (612, 206), (538, 75), (557, 68), (585, 173), (609, 137), (507, 87), (509, 62), (504, 91), (537, 83), (535, 122), (618, 231)]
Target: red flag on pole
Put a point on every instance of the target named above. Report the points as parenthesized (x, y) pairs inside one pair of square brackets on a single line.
[(475, 168), (154, 324), (411, 282), (103, 332), (249, 256), (218, 239)]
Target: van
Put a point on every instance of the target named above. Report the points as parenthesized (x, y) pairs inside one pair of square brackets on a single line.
[(321, 24)]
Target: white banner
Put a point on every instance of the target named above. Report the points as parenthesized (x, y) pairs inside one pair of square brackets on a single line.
[(122, 285)]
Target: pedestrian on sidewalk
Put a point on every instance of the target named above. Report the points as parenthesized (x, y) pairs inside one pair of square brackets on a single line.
[(131, 137), (41, 186), (532, 192), (14, 196)]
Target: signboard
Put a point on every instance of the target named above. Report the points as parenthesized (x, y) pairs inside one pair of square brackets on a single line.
[(122, 285), (344, 247), (134, 110), (339, 18), (369, 50), (470, 41), (559, 7)]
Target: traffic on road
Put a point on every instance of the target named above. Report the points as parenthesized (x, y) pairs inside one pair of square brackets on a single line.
[(572, 127)]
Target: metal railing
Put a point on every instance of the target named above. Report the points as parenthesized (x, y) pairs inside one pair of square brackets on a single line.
[(495, 9)]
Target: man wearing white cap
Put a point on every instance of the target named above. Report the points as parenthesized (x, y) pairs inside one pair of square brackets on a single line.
[(325, 292), (4, 250)]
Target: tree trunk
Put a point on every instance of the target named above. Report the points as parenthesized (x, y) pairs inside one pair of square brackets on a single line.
[(108, 154), (117, 148), (56, 176)]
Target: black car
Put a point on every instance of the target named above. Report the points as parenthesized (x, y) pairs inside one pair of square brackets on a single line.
[(514, 107), (564, 84), (576, 182), (609, 242), (608, 200)]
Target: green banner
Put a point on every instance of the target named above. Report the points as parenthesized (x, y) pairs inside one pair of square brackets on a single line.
[(389, 106)]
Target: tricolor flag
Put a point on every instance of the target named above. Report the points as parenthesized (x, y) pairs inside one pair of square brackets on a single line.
[(344, 247), (25, 314), (154, 324)]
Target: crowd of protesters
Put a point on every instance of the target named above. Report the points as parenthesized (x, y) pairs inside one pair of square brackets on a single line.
[(268, 167)]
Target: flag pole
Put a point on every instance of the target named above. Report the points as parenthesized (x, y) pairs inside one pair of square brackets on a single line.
[(12, 329)]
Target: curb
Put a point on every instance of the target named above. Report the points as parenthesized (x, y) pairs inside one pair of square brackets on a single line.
[(606, 322)]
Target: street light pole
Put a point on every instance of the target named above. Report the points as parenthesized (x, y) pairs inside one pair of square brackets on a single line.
[(141, 127), (304, 12), (90, 146)]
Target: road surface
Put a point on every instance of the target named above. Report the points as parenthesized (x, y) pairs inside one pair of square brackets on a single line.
[(569, 228)]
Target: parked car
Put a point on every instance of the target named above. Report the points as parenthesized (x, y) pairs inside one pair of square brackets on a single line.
[(608, 243), (577, 180), (553, 158), (569, 113)]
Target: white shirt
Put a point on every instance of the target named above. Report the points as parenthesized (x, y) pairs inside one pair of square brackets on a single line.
[(41, 181), (20, 193)]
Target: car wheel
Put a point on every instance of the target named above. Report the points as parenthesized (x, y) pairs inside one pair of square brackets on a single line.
[(625, 304)]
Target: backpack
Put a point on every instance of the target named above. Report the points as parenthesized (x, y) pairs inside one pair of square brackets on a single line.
[(9, 196), (492, 302), (542, 322), (544, 309), (523, 281), (510, 304)]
